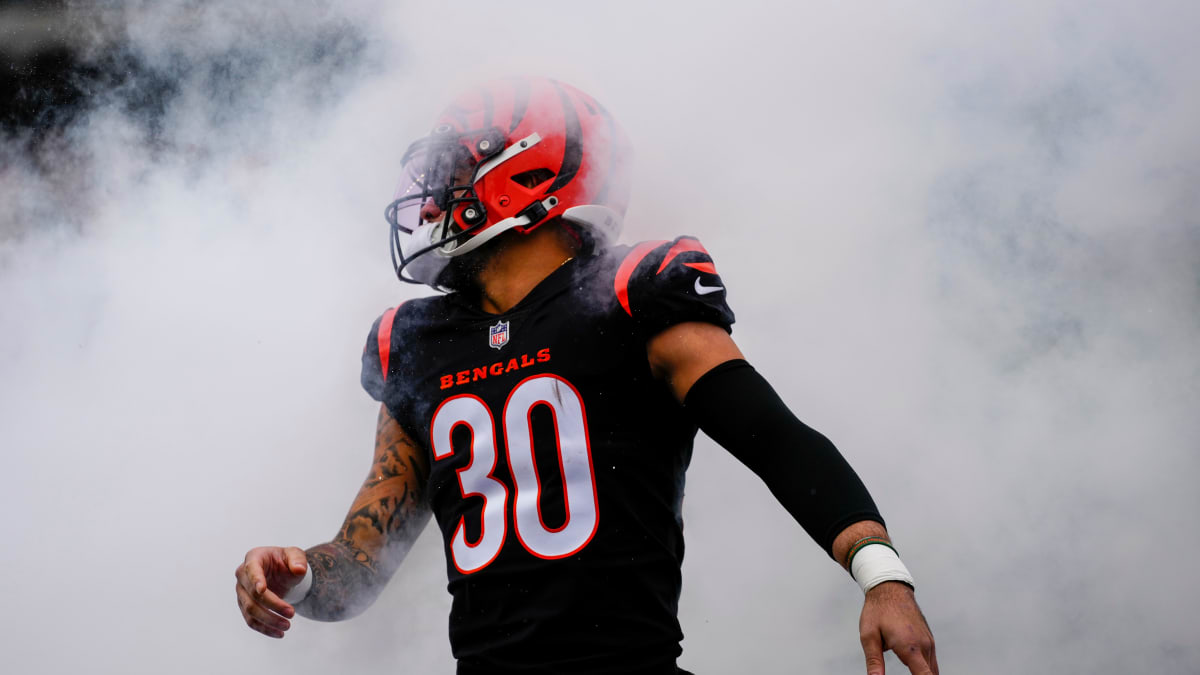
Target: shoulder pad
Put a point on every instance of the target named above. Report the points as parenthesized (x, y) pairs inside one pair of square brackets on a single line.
[(658, 283), (377, 354)]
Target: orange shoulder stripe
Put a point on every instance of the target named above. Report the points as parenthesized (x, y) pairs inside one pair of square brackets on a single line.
[(628, 265), (385, 338), (703, 267), (684, 245)]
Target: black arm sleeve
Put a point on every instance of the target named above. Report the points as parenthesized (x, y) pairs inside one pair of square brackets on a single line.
[(737, 408)]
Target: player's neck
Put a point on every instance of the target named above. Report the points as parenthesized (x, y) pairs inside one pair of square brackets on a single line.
[(522, 262)]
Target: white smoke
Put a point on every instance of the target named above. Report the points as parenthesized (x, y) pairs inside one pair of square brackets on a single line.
[(961, 240)]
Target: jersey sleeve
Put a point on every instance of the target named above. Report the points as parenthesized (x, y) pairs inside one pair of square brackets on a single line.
[(377, 353), (662, 283)]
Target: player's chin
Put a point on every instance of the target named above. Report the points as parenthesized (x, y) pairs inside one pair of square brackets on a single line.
[(462, 273)]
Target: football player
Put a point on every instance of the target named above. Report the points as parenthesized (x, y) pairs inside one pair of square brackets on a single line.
[(543, 410)]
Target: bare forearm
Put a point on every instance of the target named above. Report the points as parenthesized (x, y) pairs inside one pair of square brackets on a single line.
[(345, 582), (846, 538)]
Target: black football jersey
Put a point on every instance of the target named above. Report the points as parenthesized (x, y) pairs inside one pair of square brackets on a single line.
[(556, 460)]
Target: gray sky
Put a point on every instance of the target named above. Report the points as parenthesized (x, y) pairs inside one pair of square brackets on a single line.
[(962, 239)]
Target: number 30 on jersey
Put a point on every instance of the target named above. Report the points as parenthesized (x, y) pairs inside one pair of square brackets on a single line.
[(476, 479)]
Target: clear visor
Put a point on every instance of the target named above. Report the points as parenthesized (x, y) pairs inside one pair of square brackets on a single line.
[(433, 171)]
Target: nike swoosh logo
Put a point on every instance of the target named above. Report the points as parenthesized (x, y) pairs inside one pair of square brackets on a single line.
[(701, 289)]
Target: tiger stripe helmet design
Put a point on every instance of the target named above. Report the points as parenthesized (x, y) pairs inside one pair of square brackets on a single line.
[(513, 154)]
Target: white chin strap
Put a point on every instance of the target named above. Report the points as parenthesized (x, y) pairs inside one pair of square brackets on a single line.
[(601, 222), (499, 228), (426, 267)]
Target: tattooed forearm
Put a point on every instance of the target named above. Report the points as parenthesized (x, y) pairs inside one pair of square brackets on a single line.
[(344, 582), (395, 454), (387, 516), (390, 506)]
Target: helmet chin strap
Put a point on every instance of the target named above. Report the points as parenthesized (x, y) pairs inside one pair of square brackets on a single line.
[(501, 227), (601, 221)]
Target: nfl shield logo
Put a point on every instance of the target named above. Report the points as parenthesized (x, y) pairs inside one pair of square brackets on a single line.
[(498, 335)]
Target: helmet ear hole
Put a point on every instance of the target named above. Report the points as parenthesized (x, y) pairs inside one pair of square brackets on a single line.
[(532, 178)]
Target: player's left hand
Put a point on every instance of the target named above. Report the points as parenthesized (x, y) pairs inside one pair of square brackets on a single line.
[(891, 620)]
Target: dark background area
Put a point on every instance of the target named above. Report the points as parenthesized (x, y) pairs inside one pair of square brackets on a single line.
[(61, 58), (40, 73), (53, 67)]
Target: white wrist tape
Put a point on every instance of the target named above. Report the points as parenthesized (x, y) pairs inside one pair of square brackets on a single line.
[(877, 563), (300, 590)]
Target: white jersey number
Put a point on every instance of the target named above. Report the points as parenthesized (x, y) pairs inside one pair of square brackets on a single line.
[(574, 462), (474, 479)]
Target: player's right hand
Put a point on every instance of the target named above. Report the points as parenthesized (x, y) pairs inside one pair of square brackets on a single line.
[(267, 574)]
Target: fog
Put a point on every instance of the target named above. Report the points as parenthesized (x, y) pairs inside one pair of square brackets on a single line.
[(962, 239)]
